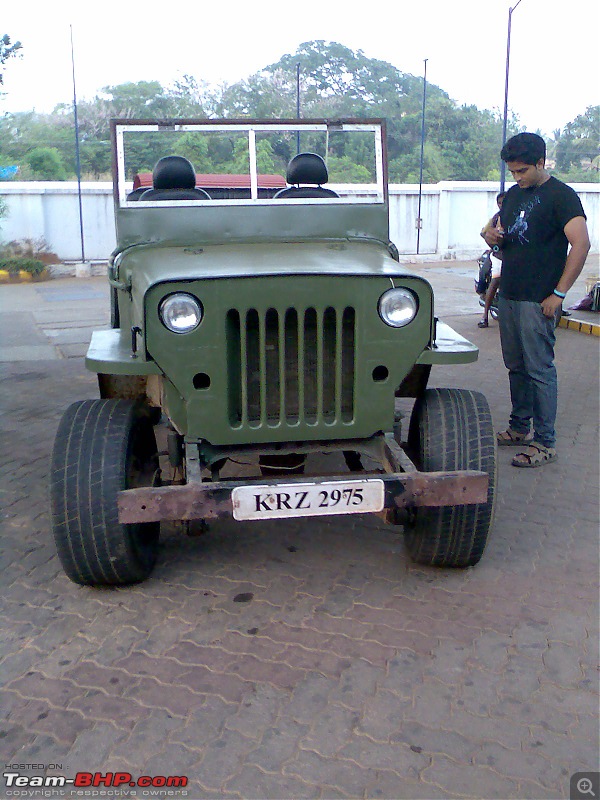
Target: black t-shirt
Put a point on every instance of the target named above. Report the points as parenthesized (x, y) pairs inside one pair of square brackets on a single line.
[(534, 248)]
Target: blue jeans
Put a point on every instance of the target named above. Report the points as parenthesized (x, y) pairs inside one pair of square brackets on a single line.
[(527, 338)]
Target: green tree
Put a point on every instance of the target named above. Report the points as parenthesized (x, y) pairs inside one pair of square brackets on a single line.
[(8, 49), (240, 163), (194, 146), (343, 170), (46, 164)]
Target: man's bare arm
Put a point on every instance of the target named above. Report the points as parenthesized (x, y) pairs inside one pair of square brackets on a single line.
[(577, 234)]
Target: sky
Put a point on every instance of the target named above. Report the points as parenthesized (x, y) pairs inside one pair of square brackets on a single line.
[(554, 64)]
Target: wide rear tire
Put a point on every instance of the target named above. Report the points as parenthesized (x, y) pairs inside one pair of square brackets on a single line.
[(101, 448), (451, 429)]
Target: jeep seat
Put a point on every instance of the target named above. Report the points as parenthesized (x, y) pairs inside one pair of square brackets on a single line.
[(306, 168), (174, 178)]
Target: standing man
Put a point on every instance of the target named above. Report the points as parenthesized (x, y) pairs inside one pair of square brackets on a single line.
[(540, 218)]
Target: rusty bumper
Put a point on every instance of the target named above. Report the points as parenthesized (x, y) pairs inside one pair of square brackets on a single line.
[(213, 500)]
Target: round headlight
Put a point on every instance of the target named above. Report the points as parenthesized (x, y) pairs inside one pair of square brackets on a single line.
[(397, 307), (180, 312)]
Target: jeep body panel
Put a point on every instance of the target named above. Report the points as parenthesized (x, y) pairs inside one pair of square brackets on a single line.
[(267, 324)]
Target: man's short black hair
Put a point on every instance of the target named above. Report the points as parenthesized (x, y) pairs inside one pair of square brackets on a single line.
[(527, 148)]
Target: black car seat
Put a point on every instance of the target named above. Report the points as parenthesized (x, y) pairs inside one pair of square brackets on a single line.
[(306, 168), (174, 178), (137, 193)]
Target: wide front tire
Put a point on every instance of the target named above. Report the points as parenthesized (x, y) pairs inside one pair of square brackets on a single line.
[(101, 448), (451, 429)]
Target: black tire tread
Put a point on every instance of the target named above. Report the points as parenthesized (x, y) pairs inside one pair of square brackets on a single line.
[(89, 467), (452, 429)]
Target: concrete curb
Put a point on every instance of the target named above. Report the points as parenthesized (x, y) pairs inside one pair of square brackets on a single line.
[(590, 328)]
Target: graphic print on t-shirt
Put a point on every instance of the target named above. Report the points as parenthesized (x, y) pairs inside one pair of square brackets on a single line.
[(520, 226)]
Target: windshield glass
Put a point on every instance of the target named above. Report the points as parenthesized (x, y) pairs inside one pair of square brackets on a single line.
[(248, 162)]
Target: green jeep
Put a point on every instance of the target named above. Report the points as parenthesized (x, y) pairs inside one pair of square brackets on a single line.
[(263, 318)]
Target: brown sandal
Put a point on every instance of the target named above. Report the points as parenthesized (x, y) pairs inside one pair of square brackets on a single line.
[(540, 455), (510, 438)]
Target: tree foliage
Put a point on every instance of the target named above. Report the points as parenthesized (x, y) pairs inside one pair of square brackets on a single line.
[(46, 164), (8, 49), (331, 80)]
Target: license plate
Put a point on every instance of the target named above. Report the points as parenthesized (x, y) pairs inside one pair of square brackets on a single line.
[(307, 499)]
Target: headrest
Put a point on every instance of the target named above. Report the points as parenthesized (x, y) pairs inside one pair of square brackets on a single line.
[(307, 168), (173, 172)]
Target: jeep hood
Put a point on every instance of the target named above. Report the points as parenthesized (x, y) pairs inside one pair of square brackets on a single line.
[(147, 266)]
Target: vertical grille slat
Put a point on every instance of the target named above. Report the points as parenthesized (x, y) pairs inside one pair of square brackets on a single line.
[(289, 366), (339, 349)]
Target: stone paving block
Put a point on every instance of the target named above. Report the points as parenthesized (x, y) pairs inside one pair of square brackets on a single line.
[(93, 745), (122, 641), (355, 684), (211, 657), (112, 681), (448, 661), (252, 783), (123, 712), (229, 687), (177, 700), (562, 664), (330, 731), (468, 780), (163, 669), (506, 732), (577, 756), (520, 679), (40, 748), (205, 722), (579, 702), (432, 703), (275, 673), (57, 692), (148, 735), (386, 784), (532, 713), (62, 724), (173, 759), (428, 741), (343, 775), (14, 739), (258, 711), (383, 714), (477, 693), (279, 744), (222, 758), (310, 695), (522, 765), (396, 757)]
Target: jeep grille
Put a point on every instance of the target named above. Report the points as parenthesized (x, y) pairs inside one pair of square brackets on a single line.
[(290, 366)]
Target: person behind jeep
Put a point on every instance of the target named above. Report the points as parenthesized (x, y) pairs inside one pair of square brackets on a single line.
[(540, 218)]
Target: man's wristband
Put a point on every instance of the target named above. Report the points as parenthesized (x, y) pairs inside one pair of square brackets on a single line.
[(562, 295)]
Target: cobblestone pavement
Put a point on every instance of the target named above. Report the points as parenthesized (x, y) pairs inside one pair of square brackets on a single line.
[(304, 659)]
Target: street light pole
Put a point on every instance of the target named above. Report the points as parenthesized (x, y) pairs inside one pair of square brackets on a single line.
[(505, 119), (419, 221), (298, 105), (77, 154)]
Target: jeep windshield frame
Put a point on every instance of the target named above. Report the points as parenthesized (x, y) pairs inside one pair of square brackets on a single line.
[(354, 192), (359, 213)]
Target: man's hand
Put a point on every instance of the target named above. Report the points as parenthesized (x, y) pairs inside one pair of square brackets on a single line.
[(551, 305), (494, 237)]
